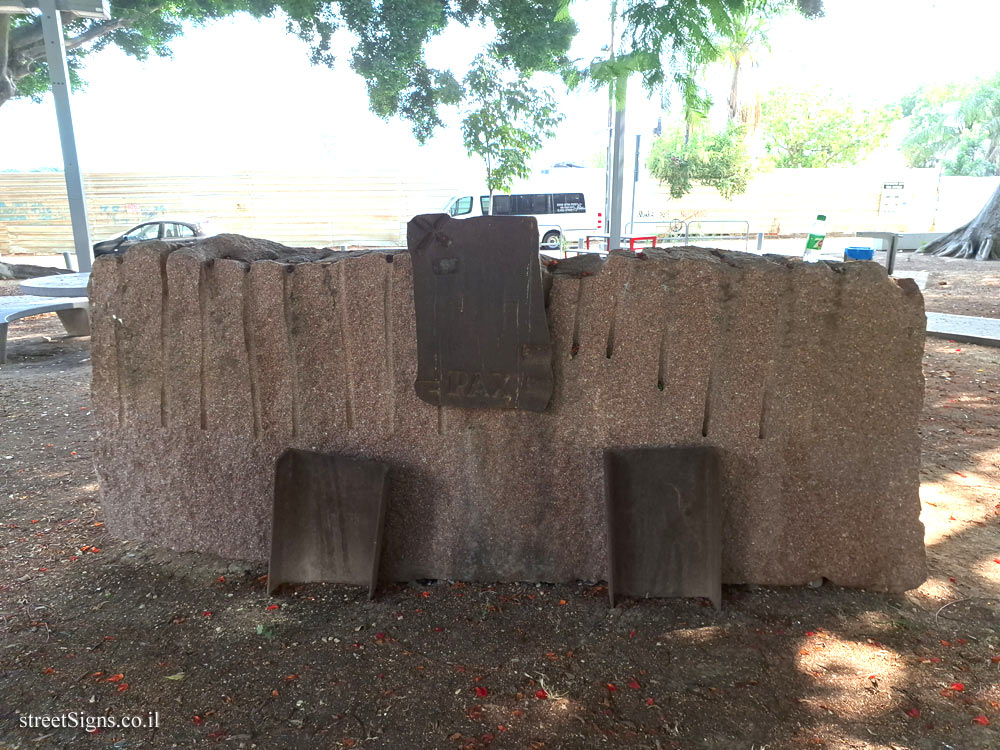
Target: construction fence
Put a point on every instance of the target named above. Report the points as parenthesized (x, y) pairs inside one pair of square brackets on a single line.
[(323, 209)]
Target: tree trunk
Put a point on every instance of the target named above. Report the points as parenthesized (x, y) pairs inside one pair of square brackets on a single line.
[(734, 102), (979, 239)]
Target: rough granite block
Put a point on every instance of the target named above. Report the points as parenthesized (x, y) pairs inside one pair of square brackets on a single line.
[(805, 377)]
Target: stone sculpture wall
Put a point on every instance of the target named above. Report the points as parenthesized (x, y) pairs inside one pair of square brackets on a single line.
[(210, 360)]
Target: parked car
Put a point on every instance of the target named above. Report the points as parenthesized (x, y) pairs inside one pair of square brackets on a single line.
[(173, 230)]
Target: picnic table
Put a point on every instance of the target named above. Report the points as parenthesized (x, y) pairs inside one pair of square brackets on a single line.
[(58, 285)]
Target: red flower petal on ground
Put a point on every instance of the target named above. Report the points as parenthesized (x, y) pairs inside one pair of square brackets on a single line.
[(982, 720), (274, 606), (913, 713), (958, 686), (649, 701), (123, 687), (197, 720), (115, 678), (611, 687), (541, 695), (481, 691), (206, 613), (810, 632), (634, 684), (220, 579)]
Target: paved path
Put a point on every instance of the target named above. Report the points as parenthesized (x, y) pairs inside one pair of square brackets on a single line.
[(966, 328)]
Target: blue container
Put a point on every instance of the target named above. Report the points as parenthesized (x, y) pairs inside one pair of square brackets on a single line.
[(858, 253)]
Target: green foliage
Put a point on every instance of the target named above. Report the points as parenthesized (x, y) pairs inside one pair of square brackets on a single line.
[(817, 129), (506, 120), (392, 36), (955, 126), (680, 158)]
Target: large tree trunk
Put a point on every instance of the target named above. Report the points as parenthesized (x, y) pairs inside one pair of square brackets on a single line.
[(978, 239)]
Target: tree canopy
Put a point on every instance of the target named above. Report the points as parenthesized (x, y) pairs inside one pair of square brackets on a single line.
[(818, 129), (956, 126), (506, 121), (719, 160), (663, 39), (391, 38)]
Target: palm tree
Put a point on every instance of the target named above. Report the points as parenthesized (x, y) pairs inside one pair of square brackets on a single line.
[(740, 45)]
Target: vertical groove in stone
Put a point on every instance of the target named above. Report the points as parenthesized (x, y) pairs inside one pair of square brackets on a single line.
[(609, 350), (116, 323), (202, 294), (575, 344), (390, 355), (345, 343), (293, 365), (662, 360), (248, 343), (708, 405), (440, 420), (164, 331)]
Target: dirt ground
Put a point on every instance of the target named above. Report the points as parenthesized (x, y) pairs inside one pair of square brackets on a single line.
[(92, 626)]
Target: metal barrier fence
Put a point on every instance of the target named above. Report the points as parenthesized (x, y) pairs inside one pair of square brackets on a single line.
[(677, 226)]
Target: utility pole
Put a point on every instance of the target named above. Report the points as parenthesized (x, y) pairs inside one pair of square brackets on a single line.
[(55, 54), (609, 160)]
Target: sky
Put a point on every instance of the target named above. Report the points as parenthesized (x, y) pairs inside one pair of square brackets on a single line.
[(220, 105)]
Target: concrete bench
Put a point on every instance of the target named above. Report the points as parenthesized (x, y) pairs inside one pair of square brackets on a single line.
[(72, 311)]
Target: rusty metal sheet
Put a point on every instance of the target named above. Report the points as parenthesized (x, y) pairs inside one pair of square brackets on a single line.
[(482, 334), (328, 516), (664, 522)]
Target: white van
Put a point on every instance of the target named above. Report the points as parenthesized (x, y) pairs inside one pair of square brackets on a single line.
[(569, 215)]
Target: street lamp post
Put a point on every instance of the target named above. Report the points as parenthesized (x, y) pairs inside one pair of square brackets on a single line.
[(55, 53)]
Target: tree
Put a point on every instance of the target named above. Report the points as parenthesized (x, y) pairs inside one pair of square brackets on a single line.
[(666, 43), (817, 129), (740, 44), (956, 127), (506, 121), (718, 160), (392, 37)]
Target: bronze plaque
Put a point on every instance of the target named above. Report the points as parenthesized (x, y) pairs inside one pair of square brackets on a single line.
[(329, 512), (664, 522), (482, 334)]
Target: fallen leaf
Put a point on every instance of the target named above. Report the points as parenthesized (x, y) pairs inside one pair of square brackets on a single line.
[(175, 677)]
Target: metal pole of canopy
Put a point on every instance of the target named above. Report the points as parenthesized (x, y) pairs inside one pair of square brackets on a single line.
[(55, 53)]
